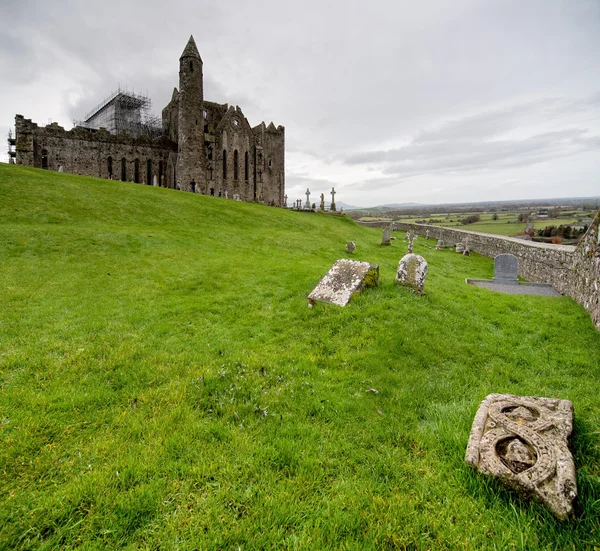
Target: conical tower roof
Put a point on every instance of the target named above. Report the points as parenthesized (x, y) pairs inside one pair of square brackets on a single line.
[(191, 50)]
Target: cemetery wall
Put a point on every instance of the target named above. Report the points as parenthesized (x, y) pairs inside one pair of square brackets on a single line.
[(572, 271)]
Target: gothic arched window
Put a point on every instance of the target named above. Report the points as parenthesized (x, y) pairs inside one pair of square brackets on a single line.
[(235, 165), (224, 164)]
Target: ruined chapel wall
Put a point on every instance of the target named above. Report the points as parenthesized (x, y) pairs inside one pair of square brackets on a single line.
[(80, 151), (232, 134), (270, 164)]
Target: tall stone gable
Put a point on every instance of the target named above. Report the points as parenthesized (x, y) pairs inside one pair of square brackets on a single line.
[(205, 147)]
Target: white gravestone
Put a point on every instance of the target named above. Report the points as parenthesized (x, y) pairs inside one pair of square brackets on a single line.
[(412, 272)]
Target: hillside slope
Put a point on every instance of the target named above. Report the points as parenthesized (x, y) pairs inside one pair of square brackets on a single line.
[(164, 384)]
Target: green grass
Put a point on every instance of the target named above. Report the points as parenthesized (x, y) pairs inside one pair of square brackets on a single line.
[(164, 385)]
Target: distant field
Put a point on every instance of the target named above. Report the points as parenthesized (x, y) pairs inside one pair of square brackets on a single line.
[(507, 223)]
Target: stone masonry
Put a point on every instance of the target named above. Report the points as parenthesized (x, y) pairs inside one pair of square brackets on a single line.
[(205, 147)]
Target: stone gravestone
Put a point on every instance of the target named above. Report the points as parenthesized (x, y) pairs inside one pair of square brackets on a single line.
[(427, 234), (307, 204), (386, 238), (439, 245), (332, 207), (505, 269), (236, 197), (285, 201), (350, 247), (467, 252), (345, 278), (460, 248), (322, 205), (412, 272), (155, 181), (522, 440)]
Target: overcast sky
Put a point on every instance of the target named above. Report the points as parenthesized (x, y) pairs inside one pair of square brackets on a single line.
[(389, 101)]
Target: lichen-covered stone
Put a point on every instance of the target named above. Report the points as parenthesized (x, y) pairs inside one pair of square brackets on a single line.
[(412, 272), (460, 248), (344, 279), (350, 247), (523, 440)]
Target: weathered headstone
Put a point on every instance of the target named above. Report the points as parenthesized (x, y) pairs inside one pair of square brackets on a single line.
[(412, 272), (460, 248), (345, 278), (505, 269), (236, 197), (427, 234), (285, 201), (386, 237), (350, 246), (439, 245), (155, 181), (522, 440), (467, 252), (322, 205), (333, 192)]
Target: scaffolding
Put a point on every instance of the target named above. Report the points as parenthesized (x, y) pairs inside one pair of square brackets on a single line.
[(123, 111), (11, 147)]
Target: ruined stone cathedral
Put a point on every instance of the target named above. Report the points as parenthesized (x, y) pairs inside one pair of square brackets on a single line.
[(199, 146)]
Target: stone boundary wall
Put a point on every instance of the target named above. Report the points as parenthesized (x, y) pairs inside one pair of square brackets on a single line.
[(572, 271)]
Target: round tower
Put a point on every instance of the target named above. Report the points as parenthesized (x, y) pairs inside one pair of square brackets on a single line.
[(191, 172)]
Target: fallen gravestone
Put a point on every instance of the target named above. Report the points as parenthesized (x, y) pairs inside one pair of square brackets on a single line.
[(522, 440), (350, 247), (386, 237), (412, 272), (345, 278), (505, 269)]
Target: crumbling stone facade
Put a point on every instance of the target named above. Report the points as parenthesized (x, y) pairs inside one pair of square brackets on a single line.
[(206, 147)]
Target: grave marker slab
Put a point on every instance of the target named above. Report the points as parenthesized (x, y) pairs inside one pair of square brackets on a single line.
[(505, 269), (350, 246), (412, 272), (522, 440), (386, 237), (345, 278)]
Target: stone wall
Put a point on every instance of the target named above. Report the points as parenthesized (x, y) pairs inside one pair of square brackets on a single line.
[(573, 271), (93, 153), (585, 284)]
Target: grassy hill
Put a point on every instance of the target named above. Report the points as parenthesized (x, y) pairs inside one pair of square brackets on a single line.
[(164, 385)]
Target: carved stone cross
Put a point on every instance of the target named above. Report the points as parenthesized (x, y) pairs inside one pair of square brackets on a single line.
[(307, 204), (333, 192)]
